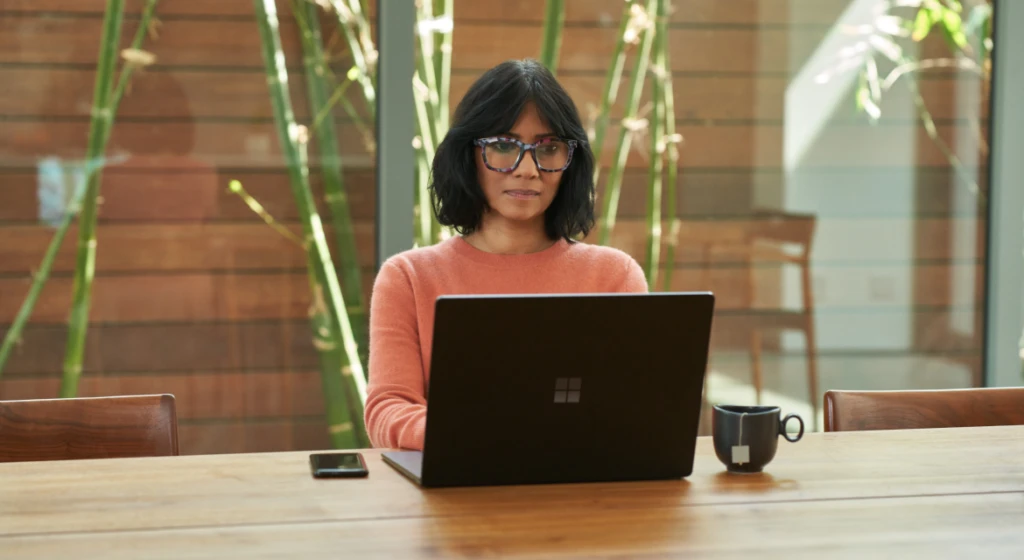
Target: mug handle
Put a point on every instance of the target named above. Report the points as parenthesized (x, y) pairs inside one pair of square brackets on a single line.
[(782, 427)]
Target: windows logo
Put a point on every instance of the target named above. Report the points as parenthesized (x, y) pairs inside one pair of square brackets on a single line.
[(568, 389)]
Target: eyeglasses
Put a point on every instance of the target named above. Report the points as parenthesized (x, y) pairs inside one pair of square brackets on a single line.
[(503, 154)]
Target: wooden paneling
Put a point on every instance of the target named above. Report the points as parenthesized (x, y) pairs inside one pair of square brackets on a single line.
[(183, 194), (255, 145), (156, 248), (254, 247), (710, 12), (189, 144), (170, 348), (203, 297), (172, 297), (48, 92), (218, 42), (157, 196), (255, 346), (199, 396), (248, 435)]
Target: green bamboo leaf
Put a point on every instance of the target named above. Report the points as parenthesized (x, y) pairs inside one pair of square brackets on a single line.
[(873, 80), (952, 27), (866, 100), (922, 24), (977, 20)]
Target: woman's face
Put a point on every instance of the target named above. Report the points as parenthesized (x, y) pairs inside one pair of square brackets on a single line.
[(519, 197)]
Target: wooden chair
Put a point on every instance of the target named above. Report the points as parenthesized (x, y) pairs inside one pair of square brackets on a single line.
[(767, 239), (769, 236), (901, 410), (88, 428)]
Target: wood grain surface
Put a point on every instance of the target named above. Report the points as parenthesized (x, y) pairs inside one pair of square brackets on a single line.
[(916, 492)]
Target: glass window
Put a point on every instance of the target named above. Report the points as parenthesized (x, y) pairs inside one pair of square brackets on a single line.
[(194, 293)]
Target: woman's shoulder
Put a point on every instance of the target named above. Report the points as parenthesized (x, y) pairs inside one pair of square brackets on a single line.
[(417, 260), (602, 255), (615, 269)]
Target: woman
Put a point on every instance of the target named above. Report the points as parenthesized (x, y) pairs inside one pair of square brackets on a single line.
[(514, 177)]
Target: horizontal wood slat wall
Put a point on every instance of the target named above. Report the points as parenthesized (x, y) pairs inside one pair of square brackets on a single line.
[(197, 297), (732, 99)]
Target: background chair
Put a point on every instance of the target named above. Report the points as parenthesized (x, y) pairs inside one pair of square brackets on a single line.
[(777, 240), (783, 238), (88, 428), (901, 410)]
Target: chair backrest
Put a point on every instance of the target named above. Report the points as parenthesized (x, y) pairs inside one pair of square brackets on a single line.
[(903, 410), (88, 428)]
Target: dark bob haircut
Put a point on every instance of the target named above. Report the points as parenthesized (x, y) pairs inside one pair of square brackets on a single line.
[(491, 107)]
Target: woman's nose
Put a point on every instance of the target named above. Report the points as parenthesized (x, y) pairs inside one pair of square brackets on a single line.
[(527, 167)]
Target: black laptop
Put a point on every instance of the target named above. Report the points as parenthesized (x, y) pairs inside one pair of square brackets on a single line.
[(532, 389)]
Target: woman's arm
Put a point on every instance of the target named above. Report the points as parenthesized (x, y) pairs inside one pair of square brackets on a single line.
[(396, 405)]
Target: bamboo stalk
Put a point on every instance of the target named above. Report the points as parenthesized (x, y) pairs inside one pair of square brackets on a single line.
[(425, 216), (430, 230), (440, 68), (428, 123), (42, 275), (655, 168), (613, 188), (673, 166), (341, 370), (352, 18), (330, 166), (425, 70), (611, 90), (369, 53), (554, 21), (85, 264), (446, 10)]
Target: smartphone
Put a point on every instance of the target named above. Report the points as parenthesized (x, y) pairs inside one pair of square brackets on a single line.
[(338, 465)]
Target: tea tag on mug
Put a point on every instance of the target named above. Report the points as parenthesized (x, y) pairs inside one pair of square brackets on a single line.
[(740, 454)]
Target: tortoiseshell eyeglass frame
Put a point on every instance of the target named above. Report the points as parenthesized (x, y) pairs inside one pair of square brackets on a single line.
[(523, 148)]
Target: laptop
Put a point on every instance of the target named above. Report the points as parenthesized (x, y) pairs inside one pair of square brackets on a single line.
[(537, 389)]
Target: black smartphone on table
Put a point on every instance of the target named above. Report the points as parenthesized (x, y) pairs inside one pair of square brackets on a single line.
[(338, 465)]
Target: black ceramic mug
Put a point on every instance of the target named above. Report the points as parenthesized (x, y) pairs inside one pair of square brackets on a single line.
[(746, 437)]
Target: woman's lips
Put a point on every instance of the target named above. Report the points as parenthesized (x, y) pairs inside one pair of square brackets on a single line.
[(522, 194)]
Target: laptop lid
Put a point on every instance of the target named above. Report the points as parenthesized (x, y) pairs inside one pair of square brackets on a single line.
[(529, 389)]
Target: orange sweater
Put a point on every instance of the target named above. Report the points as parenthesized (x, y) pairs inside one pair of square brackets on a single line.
[(402, 314)]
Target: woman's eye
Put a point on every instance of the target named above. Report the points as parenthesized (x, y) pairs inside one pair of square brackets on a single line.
[(504, 146)]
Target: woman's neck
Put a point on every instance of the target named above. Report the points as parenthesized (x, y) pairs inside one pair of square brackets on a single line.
[(504, 238)]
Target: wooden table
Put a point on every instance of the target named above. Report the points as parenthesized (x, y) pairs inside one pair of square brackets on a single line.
[(953, 493)]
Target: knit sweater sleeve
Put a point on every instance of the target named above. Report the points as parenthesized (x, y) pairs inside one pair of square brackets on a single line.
[(633, 280), (396, 404)]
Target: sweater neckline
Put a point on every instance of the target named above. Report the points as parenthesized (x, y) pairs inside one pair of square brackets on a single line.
[(464, 249)]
